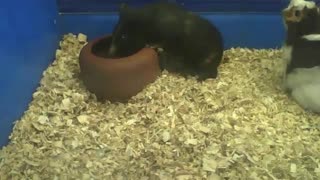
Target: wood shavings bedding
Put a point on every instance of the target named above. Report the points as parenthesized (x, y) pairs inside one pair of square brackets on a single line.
[(239, 126)]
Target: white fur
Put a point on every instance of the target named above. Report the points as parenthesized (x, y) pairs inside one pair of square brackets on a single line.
[(305, 86), (308, 96), (300, 4), (303, 76), (286, 53), (312, 37), (286, 59)]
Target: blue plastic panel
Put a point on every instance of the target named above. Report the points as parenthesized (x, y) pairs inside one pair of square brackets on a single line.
[(28, 43), (69, 6), (245, 30)]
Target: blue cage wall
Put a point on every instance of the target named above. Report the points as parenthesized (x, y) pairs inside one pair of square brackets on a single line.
[(29, 39), (32, 30), (245, 23), (76, 6)]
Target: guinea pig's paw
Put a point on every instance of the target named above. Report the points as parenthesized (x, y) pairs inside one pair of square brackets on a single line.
[(155, 47), (151, 46), (207, 76), (283, 86), (286, 54), (159, 50)]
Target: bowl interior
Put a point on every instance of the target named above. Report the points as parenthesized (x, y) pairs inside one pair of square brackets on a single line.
[(100, 48)]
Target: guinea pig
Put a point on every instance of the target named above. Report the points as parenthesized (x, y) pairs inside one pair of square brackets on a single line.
[(189, 42), (301, 53)]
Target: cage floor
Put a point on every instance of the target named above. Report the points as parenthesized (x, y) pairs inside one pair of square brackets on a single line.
[(238, 126)]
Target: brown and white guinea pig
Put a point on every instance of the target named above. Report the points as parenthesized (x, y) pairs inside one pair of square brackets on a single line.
[(301, 53), (188, 41)]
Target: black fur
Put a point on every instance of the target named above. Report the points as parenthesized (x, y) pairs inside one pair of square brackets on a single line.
[(309, 24), (191, 44), (305, 53)]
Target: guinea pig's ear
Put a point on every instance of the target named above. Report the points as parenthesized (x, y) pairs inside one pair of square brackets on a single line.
[(123, 7)]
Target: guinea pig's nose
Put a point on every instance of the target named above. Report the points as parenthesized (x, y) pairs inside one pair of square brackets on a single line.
[(286, 13)]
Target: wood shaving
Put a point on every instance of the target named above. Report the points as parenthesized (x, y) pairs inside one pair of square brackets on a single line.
[(238, 126)]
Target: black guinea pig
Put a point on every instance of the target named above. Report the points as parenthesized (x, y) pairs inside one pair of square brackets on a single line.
[(190, 43), (301, 53)]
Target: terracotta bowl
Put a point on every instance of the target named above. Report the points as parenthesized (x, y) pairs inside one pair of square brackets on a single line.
[(116, 79)]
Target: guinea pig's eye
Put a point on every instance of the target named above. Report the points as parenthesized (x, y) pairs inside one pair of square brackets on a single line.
[(297, 13), (123, 36)]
